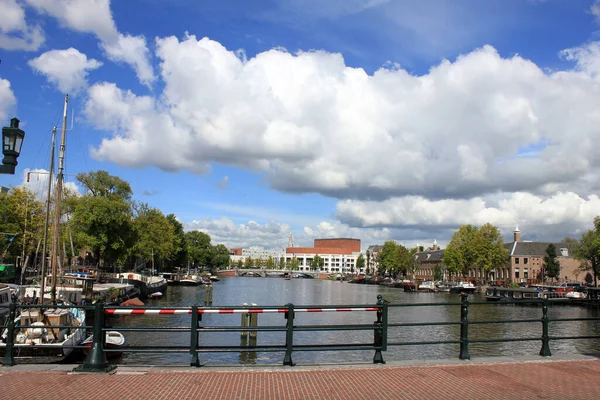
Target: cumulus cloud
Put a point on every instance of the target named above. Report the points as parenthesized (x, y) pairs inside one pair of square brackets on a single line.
[(15, 32), (94, 16), (223, 230), (313, 124), (67, 69), (36, 180), (555, 216), (7, 99)]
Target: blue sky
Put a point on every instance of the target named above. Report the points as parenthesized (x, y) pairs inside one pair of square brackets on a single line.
[(377, 119)]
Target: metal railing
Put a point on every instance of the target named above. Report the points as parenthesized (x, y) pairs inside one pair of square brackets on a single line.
[(96, 360)]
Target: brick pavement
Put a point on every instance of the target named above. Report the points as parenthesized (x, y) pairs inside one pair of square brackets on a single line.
[(496, 379)]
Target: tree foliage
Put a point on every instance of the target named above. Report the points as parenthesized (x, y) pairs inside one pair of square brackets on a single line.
[(473, 247), (294, 264), (360, 263), (155, 235), (317, 263), (587, 250), (551, 264), (199, 248), (180, 250), (102, 184), (270, 264), (219, 256), (389, 257)]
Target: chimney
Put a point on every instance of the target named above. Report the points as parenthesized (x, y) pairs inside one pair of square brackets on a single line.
[(517, 234)]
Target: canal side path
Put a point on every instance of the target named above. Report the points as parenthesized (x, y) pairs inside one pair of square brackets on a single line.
[(533, 377)]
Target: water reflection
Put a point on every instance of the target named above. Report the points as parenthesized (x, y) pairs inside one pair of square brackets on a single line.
[(277, 292)]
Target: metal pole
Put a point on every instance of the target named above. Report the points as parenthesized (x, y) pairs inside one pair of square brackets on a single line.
[(96, 358), (545, 350), (59, 186), (464, 327), (45, 241), (9, 360), (378, 334), (289, 336), (194, 362)]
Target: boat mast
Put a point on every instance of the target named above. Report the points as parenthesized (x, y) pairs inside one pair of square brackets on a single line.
[(59, 185), (47, 216)]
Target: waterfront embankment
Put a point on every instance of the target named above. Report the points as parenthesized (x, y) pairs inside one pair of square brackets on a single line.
[(562, 377)]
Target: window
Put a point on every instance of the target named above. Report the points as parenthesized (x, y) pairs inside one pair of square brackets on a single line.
[(526, 272), (517, 272), (525, 260), (517, 260)]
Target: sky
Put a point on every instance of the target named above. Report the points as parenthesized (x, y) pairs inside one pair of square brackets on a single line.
[(371, 119)]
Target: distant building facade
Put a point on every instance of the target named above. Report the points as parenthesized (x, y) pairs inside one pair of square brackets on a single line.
[(339, 255)]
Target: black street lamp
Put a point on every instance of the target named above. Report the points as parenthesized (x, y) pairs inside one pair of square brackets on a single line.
[(12, 140)]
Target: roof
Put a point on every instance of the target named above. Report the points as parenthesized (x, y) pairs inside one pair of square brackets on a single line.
[(429, 256), (534, 249), (375, 248)]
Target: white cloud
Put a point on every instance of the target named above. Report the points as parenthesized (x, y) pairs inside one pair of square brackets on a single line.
[(94, 16), (542, 216), (7, 99), (223, 230), (222, 184), (15, 33), (312, 124), (65, 68), (38, 183), (595, 10)]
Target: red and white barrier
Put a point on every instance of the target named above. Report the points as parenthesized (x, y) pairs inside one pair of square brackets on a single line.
[(141, 311)]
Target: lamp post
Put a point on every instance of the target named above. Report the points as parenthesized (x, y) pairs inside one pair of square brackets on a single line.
[(12, 140)]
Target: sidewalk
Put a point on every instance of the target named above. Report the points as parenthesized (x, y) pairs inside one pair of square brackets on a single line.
[(558, 377)]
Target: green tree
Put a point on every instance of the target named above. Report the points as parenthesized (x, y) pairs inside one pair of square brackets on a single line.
[(199, 248), (389, 258), (360, 263), (437, 273), (102, 184), (587, 250), (155, 235), (106, 227), (294, 264), (240, 264), (281, 262), (249, 263), (461, 252), (270, 264), (551, 264), (409, 261), (491, 254), (317, 263), (220, 256), (21, 221), (180, 254)]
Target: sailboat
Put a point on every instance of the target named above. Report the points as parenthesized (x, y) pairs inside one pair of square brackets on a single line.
[(49, 333)]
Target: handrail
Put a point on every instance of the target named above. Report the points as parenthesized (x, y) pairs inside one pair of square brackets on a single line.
[(96, 360)]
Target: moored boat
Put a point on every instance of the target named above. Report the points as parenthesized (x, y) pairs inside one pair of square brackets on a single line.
[(114, 342), (463, 287)]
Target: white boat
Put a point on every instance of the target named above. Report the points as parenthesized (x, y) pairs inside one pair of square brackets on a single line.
[(113, 341), (191, 280), (463, 287), (427, 286)]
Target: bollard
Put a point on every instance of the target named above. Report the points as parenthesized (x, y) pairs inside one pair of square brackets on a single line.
[(9, 359), (208, 294), (253, 322), (464, 327), (194, 361), (96, 358), (379, 336), (289, 336), (245, 322), (545, 350)]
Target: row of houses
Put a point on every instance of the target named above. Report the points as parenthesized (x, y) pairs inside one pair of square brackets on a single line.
[(340, 255)]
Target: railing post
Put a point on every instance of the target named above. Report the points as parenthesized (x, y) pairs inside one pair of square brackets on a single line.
[(194, 362), (289, 336), (96, 358), (545, 351), (464, 327), (380, 331), (9, 360)]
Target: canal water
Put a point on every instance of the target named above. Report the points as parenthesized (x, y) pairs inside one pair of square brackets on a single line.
[(236, 291)]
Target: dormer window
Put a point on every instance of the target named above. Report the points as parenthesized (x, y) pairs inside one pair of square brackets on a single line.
[(428, 255)]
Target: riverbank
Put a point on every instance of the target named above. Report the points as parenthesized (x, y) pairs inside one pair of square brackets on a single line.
[(561, 377)]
